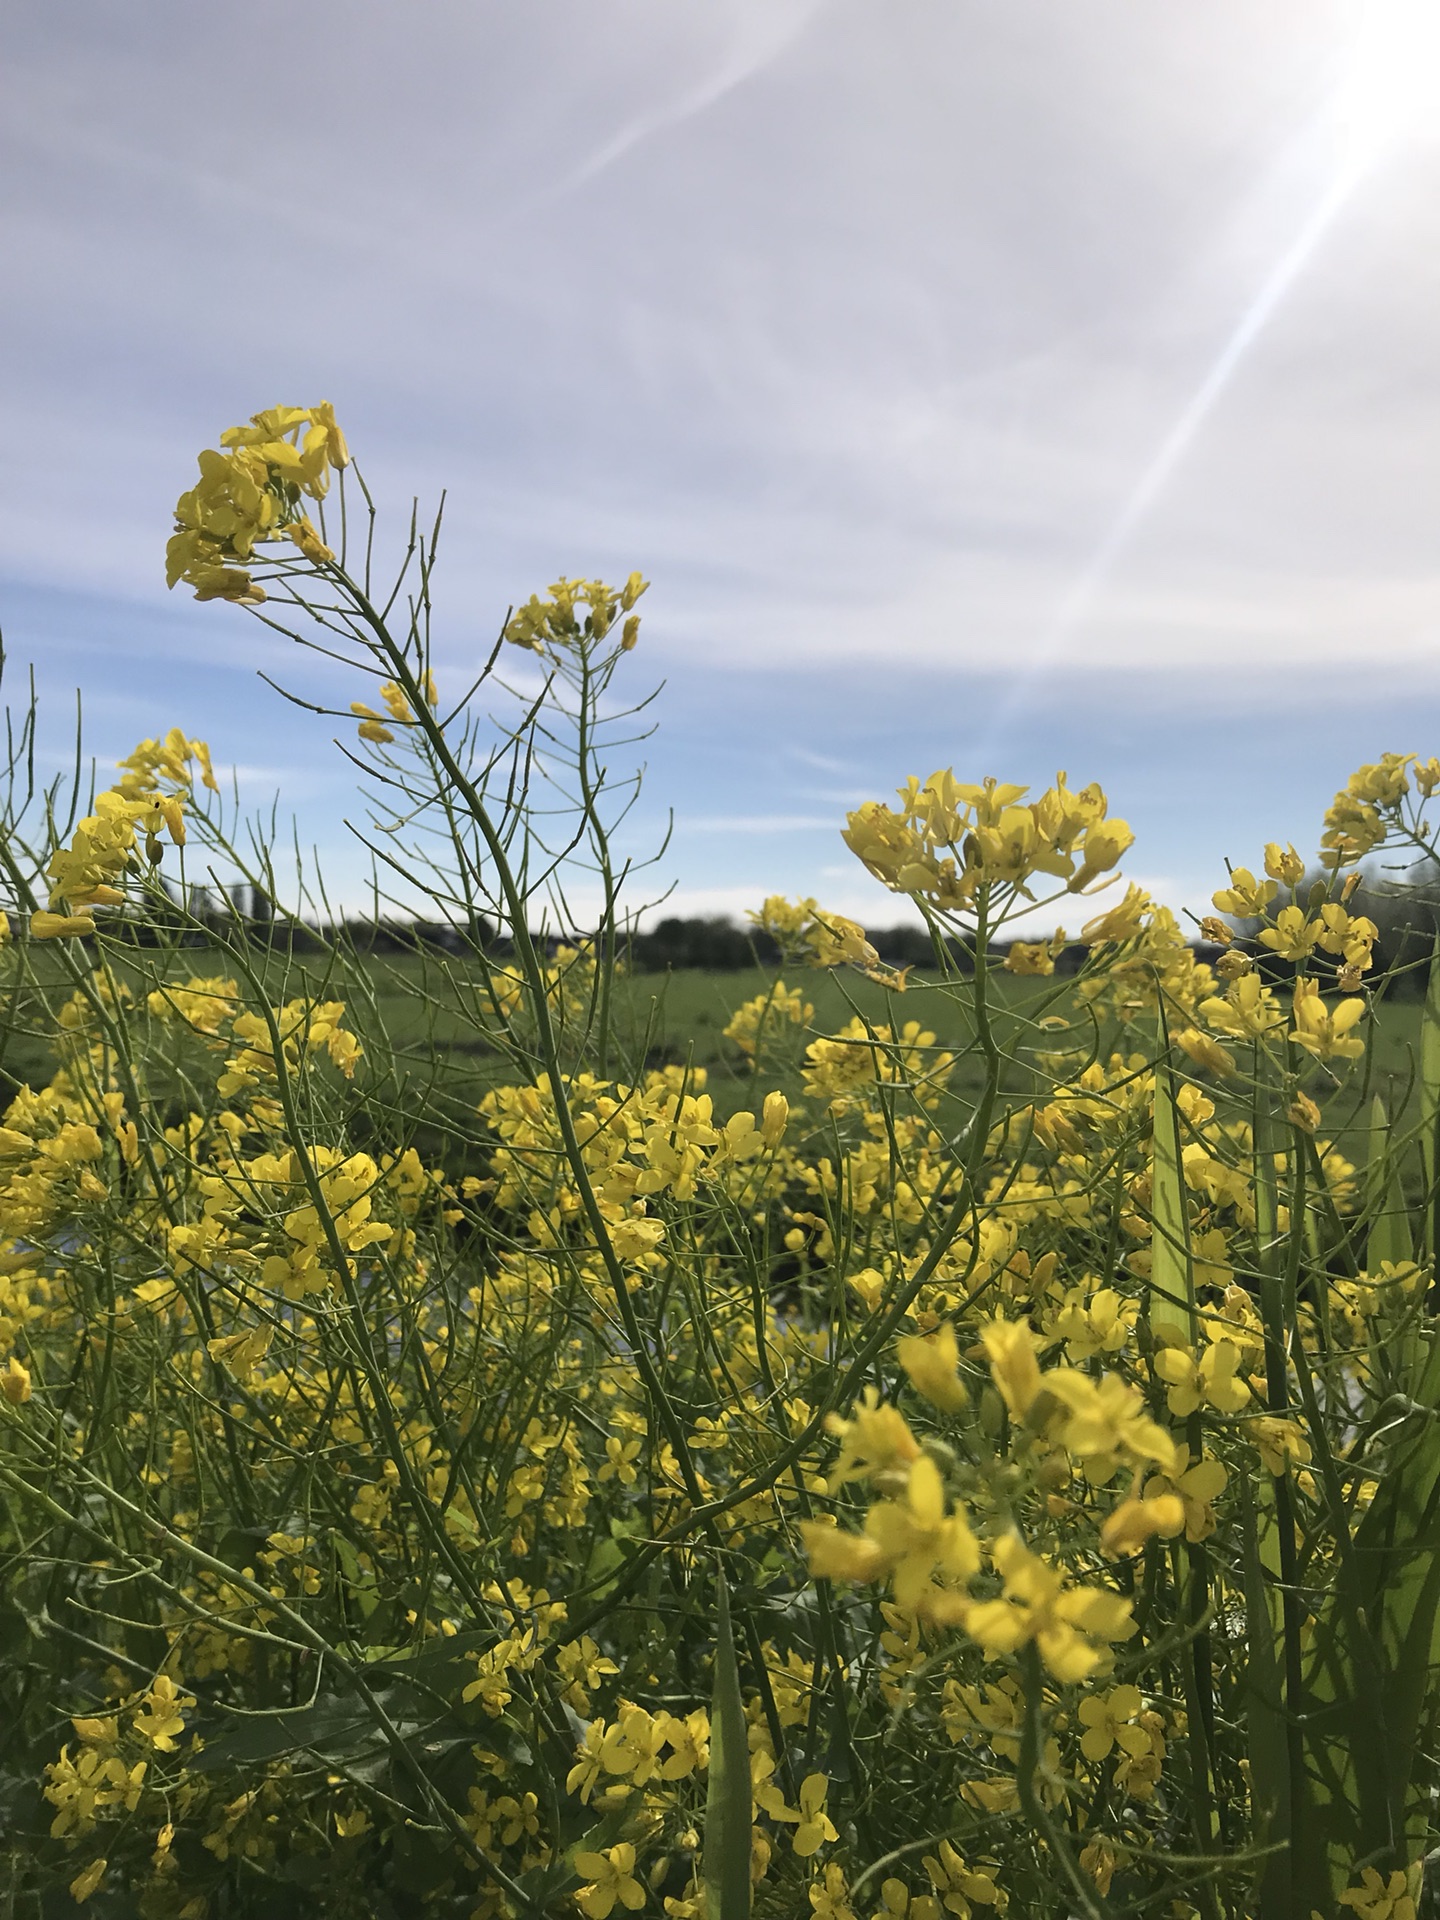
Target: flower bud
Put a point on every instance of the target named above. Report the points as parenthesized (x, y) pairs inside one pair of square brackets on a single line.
[(15, 1382), (774, 1116), (1303, 1113), (1284, 864)]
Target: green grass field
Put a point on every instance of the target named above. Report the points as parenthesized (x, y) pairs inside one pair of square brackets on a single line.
[(430, 1010)]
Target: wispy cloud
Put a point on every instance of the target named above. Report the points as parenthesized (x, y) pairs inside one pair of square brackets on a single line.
[(862, 331), (824, 762), (763, 32)]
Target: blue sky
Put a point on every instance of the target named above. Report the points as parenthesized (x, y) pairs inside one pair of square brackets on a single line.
[(1009, 387)]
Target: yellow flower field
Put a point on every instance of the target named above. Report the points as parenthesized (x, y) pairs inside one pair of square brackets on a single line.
[(981, 1477)]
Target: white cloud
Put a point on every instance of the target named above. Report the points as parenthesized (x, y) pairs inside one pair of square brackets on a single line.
[(858, 329)]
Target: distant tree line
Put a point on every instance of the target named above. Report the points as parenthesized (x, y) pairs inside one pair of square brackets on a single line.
[(710, 944), (1407, 913), (713, 944)]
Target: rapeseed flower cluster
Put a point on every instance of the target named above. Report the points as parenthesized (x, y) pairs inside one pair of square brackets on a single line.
[(250, 492), (952, 840), (146, 801)]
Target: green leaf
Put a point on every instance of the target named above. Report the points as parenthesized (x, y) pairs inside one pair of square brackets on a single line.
[(725, 1865), (1430, 1099), (1263, 1693), (1373, 1655), (339, 1731), (1398, 1547), (1389, 1237), (1172, 1273)]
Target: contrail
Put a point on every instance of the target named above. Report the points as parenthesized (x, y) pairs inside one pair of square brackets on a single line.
[(1176, 443), (781, 27), (1172, 449), (1277, 283)]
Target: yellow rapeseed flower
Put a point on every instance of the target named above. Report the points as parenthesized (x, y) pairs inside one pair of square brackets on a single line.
[(1136, 1520), (1246, 897), (1381, 1896), (1211, 1381), (932, 1362), (1068, 1624), (1323, 1031), (86, 1882), (61, 926), (612, 1878), (1012, 1351)]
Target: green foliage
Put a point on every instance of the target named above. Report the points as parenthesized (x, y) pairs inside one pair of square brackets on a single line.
[(727, 1803)]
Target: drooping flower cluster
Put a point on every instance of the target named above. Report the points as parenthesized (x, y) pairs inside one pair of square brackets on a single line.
[(147, 800), (251, 491)]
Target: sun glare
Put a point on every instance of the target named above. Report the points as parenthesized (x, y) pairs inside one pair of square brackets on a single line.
[(1392, 77)]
